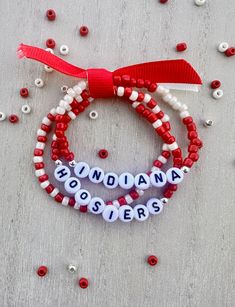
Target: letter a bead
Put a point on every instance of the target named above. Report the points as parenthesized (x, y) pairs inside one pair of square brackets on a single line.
[(174, 175), (62, 173), (110, 213), (142, 181)]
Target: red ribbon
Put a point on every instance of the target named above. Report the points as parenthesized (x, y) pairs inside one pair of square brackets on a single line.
[(100, 80)]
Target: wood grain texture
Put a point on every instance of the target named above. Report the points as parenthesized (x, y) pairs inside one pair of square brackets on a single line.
[(194, 237)]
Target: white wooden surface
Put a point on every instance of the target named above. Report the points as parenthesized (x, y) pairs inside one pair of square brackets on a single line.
[(194, 237)]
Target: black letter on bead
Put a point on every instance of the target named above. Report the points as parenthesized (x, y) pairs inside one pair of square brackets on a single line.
[(84, 195), (96, 206), (62, 172), (127, 214), (141, 212), (156, 207), (112, 180), (96, 174), (158, 177), (73, 183), (81, 170), (174, 175), (110, 215), (142, 180)]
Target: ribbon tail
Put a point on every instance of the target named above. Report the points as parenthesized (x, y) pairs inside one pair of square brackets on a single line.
[(51, 60)]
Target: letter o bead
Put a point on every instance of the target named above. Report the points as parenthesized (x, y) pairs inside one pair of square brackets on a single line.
[(82, 170), (110, 213), (141, 213), (62, 173), (110, 180), (154, 206), (72, 185), (126, 213), (174, 175), (96, 205), (158, 179), (83, 197)]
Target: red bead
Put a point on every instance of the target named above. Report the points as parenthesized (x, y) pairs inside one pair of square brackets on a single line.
[(147, 83), (51, 15), (192, 135), (49, 188), (63, 145), (45, 128), (83, 30), (117, 80), (166, 154), (109, 203), (83, 209), (122, 201), (140, 108), (43, 178), (76, 111), (39, 165), (42, 138), (140, 83), (193, 156), (38, 152), (177, 153), (85, 95), (85, 103), (152, 88), (54, 144), (133, 82), (13, 118), (54, 157), (166, 136), (59, 133), (103, 153), (167, 126), (72, 202), (61, 126), (59, 197), (151, 104), (24, 92), (168, 193), (80, 108), (42, 271), (160, 114), (188, 162), (140, 97), (152, 260), (193, 148), (215, 84), (146, 113), (197, 142), (157, 163), (69, 157), (126, 80), (178, 161), (50, 43), (160, 130), (191, 127), (83, 283), (230, 52), (51, 117), (187, 120), (152, 117), (181, 47), (55, 151), (134, 195), (173, 187), (127, 92)]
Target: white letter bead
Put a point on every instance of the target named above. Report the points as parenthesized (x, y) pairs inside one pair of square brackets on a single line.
[(110, 180), (126, 213), (72, 185), (62, 173), (141, 213), (82, 170), (154, 206), (158, 179), (174, 175), (96, 205), (96, 175), (142, 181), (126, 181), (83, 197), (110, 213)]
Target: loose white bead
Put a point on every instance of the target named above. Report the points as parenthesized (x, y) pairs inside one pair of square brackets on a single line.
[(45, 184), (174, 175), (26, 109), (134, 96), (65, 201), (156, 109), (110, 180), (93, 114), (83, 197), (167, 97), (141, 213), (40, 172), (126, 181), (82, 169), (41, 132), (128, 199), (147, 98), (96, 175), (2, 116), (223, 47), (64, 88), (110, 213), (96, 205), (54, 192), (72, 185), (200, 2), (62, 173), (157, 124), (40, 145), (49, 50), (48, 68), (135, 104), (173, 146), (60, 110), (72, 268), (158, 179), (126, 213), (64, 50), (71, 92), (37, 159), (46, 121), (218, 93), (142, 181), (120, 91), (39, 82), (184, 114), (208, 123), (154, 206)]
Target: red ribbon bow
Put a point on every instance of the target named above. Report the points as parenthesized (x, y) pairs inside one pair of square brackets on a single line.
[(100, 80)]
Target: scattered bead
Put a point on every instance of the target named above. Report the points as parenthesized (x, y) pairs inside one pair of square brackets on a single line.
[(50, 43), (39, 82), (181, 47), (26, 109), (24, 92), (51, 14), (42, 271), (64, 88), (13, 118), (48, 68), (2, 116), (64, 50), (208, 123), (71, 268), (93, 114), (152, 260), (163, 1), (83, 283), (84, 30), (223, 47), (217, 94), (103, 153), (49, 50), (215, 84), (230, 52)]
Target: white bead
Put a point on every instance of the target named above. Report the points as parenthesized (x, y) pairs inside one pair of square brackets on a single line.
[(126, 181), (172, 101), (54, 137), (48, 68), (77, 90), (65, 201), (184, 114), (37, 159), (140, 192), (165, 147), (218, 93), (142, 181), (82, 169), (155, 169), (147, 98), (60, 110), (185, 169), (46, 121), (79, 98), (26, 109), (96, 205), (167, 97), (71, 115), (126, 213), (128, 199), (154, 206), (165, 118), (110, 213), (135, 104), (110, 180), (58, 162), (120, 91), (116, 203), (134, 96), (173, 146), (200, 2), (174, 175), (49, 50), (41, 132), (64, 88), (162, 159), (223, 47), (156, 109), (54, 192), (183, 107), (40, 145), (62, 173), (64, 50), (45, 184), (39, 82), (83, 197), (162, 90), (71, 92), (93, 114), (72, 163), (40, 172), (157, 124), (76, 206), (208, 123), (72, 185), (96, 175), (53, 111), (82, 85), (141, 213), (158, 179), (177, 105), (65, 105), (68, 98), (2, 116)]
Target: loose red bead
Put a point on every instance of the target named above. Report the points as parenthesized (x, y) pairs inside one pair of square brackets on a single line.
[(215, 84), (230, 52), (50, 43), (103, 153), (24, 92), (42, 271), (83, 30), (181, 47), (83, 283), (163, 1), (13, 118), (152, 260), (51, 14), (83, 209)]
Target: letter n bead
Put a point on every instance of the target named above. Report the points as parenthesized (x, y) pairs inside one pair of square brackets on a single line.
[(158, 179), (174, 175), (62, 173)]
